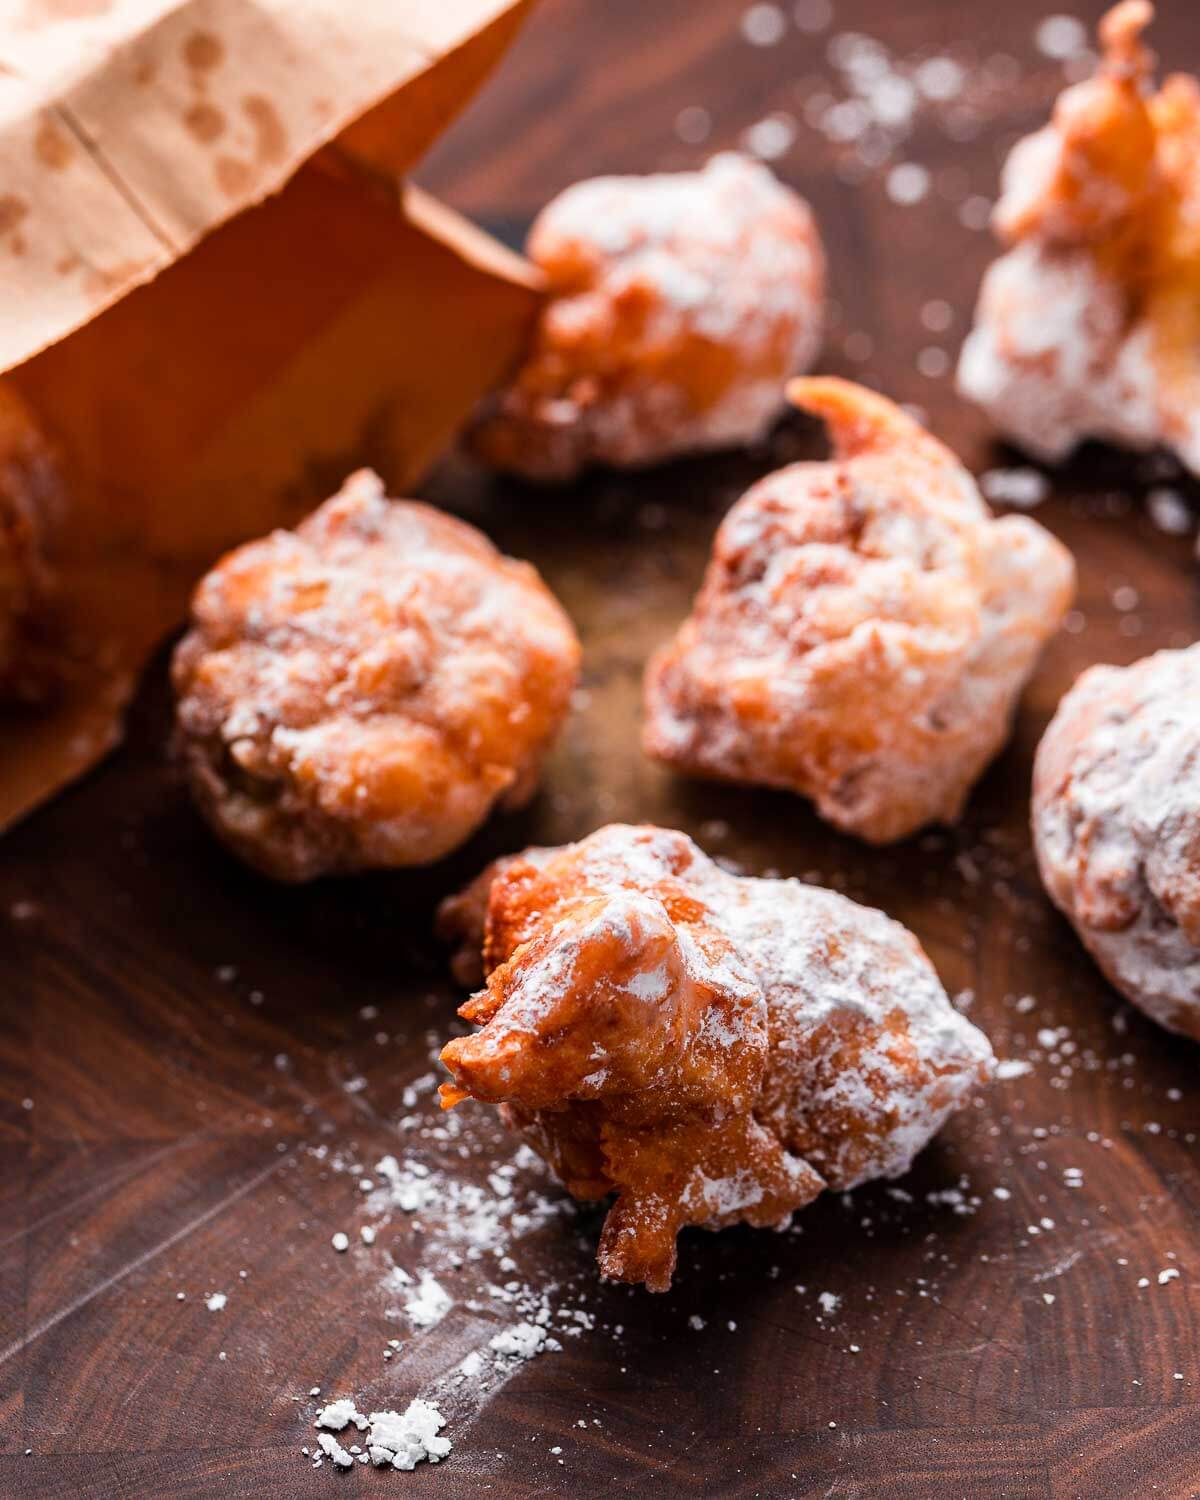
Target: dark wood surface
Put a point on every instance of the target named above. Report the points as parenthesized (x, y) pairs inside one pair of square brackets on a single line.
[(158, 1115)]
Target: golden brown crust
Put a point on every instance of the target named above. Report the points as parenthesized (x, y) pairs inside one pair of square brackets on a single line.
[(679, 303), (1090, 325), (362, 691), (1116, 823), (864, 628), (712, 1049)]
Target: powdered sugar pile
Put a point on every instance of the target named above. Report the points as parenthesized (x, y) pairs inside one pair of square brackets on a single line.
[(521, 1341), (877, 99), (430, 1304), (454, 1260), (401, 1439)]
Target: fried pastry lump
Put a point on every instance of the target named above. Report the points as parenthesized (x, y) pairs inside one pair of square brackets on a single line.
[(1089, 326), (710, 1048), (360, 692), (678, 304), (1116, 825), (864, 629), (30, 497)]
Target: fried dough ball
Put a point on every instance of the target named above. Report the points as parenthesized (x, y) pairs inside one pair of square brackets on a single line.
[(30, 497), (1116, 825), (864, 629), (713, 1049), (362, 691), (678, 305), (1090, 325)]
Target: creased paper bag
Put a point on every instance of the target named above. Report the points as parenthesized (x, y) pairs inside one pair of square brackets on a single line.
[(218, 295)]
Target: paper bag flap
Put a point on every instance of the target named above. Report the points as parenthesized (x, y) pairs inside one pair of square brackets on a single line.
[(131, 128)]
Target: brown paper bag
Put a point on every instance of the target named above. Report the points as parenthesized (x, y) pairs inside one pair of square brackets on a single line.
[(218, 296)]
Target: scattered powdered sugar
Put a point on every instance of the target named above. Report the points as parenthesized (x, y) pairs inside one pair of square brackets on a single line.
[(456, 1258), (812, 16), (693, 125), (339, 1414), (1169, 511), (1012, 1067), (215, 1301), (933, 362), (772, 137), (430, 1304), (333, 1450), (908, 183), (872, 108), (508, 1310), (463, 1222), (1022, 487), (521, 1341), (764, 25), (1060, 37)]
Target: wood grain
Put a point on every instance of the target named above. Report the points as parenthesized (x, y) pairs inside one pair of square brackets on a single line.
[(159, 1114)]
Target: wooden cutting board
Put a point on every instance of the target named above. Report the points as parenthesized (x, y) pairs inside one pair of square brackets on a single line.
[(193, 1062)]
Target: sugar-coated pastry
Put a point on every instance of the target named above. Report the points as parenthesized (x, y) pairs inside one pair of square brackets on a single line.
[(713, 1049), (362, 691), (864, 629), (678, 304), (1116, 825), (30, 499), (1089, 326)]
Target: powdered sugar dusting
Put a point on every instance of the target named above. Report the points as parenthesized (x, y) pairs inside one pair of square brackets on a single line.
[(864, 629), (430, 1304), (399, 1439), (1051, 359), (866, 1055), (661, 270), (1116, 827), (832, 970), (1086, 327), (360, 692), (453, 1261)]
